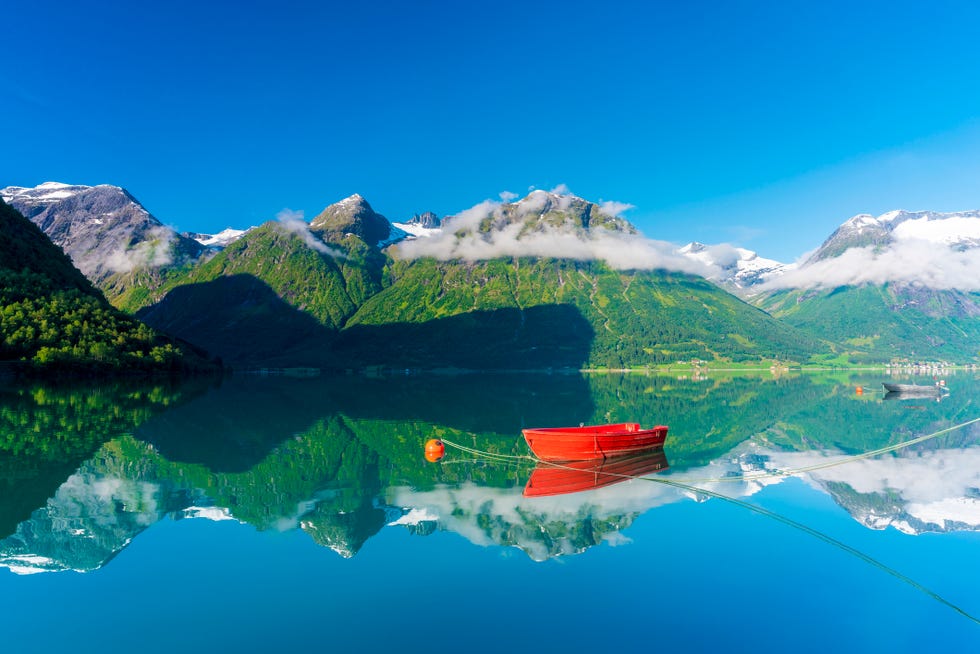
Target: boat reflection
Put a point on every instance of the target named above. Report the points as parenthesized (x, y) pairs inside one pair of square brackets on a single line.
[(927, 394), (576, 476)]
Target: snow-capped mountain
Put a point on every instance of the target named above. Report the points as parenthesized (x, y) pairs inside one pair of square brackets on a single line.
[(738, 268), (421, 225), (45, 193), (955, 230), (222, 239), (102, 228), (547, 224), (353, 215)]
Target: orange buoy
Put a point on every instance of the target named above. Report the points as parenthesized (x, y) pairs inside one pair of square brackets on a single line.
[(434, 450), (859, 390)]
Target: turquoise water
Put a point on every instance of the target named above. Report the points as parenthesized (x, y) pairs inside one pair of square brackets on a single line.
[(270, 513)]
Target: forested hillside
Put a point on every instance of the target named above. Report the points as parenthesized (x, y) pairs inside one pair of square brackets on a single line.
[(52, 318)]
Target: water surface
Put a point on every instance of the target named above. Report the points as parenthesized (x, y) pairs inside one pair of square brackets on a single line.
[(260, 513)]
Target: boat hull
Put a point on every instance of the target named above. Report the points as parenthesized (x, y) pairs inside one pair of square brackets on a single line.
[(592, 442), (576, 476)]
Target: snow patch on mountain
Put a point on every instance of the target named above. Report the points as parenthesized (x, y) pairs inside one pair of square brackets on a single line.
[(417, 231), (395, 234), (961, 230), (44, 193), (222, 239), (102, 228)]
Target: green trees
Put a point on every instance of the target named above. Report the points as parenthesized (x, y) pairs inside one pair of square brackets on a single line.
[(70, 330), (51, 318)]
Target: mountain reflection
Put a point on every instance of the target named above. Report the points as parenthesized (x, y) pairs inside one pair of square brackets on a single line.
[(85, 471)]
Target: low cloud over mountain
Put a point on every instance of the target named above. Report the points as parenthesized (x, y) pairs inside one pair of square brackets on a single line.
[(549, 224), (933, 250)]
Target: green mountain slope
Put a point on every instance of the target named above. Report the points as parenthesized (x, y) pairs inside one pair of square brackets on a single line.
[(274, 290), (627, 318), (323, 294), (52, 318), (879, 323)]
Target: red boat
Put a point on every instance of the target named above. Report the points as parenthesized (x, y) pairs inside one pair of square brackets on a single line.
[(575, 476), (593, 441)]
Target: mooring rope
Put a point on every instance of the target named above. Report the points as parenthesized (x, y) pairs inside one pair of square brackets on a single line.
[(686, 485), (752, 476), (768, 474), (821, 536)]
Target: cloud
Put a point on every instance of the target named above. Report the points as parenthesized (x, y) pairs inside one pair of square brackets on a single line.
[(561, 189), (287, 215), (462, 238), (508, 196), (294, 222), (914, 262), (724, 254), (153, 252), (613, 208)]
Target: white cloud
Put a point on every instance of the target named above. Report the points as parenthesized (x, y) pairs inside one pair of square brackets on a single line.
[(288, 215), (916, 262), (561, 189), (723, 254), (461, 238), (293, 221), (613, 208), (508, 196), (154, 251)]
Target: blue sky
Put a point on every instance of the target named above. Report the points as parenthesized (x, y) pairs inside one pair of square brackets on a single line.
[(762, 124)]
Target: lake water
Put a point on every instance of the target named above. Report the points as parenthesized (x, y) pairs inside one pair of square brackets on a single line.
[(263, 514)]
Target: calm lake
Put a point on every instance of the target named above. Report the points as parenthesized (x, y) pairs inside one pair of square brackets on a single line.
[(265, 514)]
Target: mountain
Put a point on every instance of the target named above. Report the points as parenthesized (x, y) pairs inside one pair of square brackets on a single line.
[(958, 231), (421, 224), (738, 269), (52, 318), (540, 210), (426, 220), (495, 271), (353, 216), (110, 237), (282, 287), (903, 285), (216, 241), (537, 313), (493, 288)]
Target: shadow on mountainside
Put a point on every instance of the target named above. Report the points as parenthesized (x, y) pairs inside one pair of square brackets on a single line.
[(242, 320), (239, 318), (536, 338)]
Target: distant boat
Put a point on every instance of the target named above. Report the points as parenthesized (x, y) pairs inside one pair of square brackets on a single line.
[(593, 441), (576, 476), (915, 389)]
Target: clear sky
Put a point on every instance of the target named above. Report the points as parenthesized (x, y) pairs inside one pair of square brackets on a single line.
[(764, 124)]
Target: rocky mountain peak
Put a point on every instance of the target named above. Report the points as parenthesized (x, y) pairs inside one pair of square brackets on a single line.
[(736, 268), (959, 230), (103, 228), (694, 247), (426, 219), (543, 209), (353, 215)]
